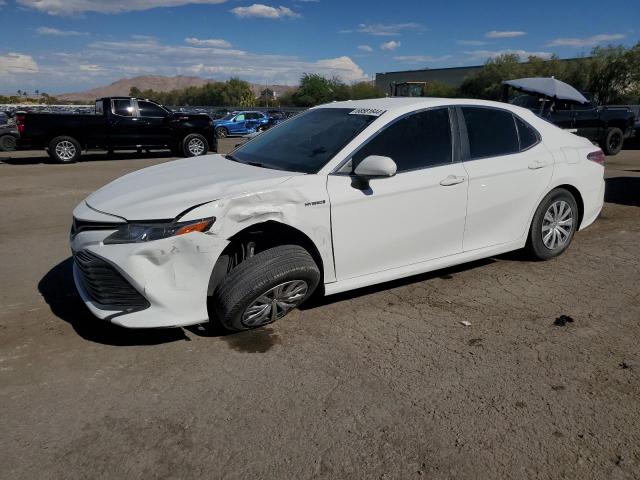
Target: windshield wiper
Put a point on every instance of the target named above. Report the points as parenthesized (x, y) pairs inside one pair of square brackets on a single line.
[(228, 156)]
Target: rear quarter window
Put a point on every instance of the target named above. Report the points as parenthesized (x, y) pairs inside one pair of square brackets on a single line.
[(527, 135)]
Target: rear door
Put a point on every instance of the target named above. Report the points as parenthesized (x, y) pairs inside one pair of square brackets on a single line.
[(587, 120), (123, 123), (509, 170), (153, 125)]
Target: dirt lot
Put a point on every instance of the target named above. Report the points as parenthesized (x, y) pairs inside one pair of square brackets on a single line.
[(383, 382)]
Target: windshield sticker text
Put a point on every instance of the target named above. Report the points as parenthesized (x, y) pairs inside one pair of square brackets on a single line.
[(374, 112)]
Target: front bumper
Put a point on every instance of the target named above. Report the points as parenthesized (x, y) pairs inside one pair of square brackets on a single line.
[(172, 275)]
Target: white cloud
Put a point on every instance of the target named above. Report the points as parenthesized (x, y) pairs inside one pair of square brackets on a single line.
[(17, 63), (54, 32), (384, 30), (365, 48), (264, 11), (390, 45), (106, 61), (479, 55), (471, 43), (414, 59), (585, 42), (504, 34), (73, 7), (209, 42)]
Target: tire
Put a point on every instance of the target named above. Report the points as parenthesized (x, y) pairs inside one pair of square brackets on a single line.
[(287, 272), (64, 149), (613, 141), (550, 234), (7, 143), (194, 145), (222, 132)]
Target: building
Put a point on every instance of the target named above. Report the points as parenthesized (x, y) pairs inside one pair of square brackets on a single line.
[(453, 76)]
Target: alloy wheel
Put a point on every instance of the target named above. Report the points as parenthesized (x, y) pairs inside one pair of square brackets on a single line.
[(65, 150), (557, 225), (275, 303), (196, 146)]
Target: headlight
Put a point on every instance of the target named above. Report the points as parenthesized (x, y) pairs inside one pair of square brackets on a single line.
[(145, 232)]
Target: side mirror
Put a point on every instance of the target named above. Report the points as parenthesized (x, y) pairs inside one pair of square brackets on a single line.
[(373, 166), (376, 166)]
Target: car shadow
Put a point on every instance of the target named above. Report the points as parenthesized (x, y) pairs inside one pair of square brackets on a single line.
[(623, 191), (58, 290), (444, 274), (36, 157)]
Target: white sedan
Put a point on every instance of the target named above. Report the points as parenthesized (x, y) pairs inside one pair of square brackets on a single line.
[(343, 196)]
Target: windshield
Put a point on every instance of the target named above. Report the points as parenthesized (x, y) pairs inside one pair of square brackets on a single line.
[(228, 116), (304, 143)]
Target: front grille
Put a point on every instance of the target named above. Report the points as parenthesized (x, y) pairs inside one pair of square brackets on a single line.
[(105, 285), (83, 225)]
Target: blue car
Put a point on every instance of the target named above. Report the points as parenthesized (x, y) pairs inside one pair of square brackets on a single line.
[(240, 123)]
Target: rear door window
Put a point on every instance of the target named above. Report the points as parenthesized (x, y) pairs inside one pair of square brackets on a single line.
[(491, 132), (123, 108)]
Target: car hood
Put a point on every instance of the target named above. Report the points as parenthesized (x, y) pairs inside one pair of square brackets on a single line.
[(165, 191)]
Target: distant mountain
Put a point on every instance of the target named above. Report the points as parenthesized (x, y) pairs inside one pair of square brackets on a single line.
[(158, 83)]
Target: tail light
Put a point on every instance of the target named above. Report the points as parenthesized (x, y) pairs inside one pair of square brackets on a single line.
[(597, 156), (20, 123)]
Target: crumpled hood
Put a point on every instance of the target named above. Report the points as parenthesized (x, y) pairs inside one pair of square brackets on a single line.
[(166, 190)]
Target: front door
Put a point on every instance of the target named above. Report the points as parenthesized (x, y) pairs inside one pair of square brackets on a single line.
[(415, 216), (153, 125), (237, 126)]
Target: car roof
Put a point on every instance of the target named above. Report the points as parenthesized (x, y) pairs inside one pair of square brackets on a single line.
[(404, 104)]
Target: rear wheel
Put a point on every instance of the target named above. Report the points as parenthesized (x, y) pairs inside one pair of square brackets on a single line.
[(7, 143), (553, 225), (265, 287), (194, 145), (64, 149), (613, 141)]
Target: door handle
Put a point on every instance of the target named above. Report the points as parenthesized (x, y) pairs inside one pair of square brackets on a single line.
[(451, 180), (538, 164)]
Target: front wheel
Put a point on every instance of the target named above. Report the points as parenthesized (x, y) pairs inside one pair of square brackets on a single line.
[(553, 225), (64, 149), (222, 132), (194, 145), (613, 141), (265, 287)]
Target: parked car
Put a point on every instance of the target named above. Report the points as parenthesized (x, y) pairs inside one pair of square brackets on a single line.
[(8, 133), (118, 123), (240, 123), (609, 127), (342, 196)]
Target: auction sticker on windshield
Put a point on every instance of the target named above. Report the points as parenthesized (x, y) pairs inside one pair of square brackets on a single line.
[(374, 112)]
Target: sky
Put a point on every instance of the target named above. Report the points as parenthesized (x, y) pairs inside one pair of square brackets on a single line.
[(72, 45)]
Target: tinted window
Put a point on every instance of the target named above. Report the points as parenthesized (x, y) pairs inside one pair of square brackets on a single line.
[(148, 109), (99, 110), (304, 143), (491, 132), (417, 141), (526, 133), (123, 108)]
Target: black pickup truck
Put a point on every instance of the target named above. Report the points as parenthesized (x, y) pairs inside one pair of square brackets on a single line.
[(607, 126), (119, 123)]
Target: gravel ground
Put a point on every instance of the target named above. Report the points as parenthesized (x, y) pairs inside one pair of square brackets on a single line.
[(383, 382)]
